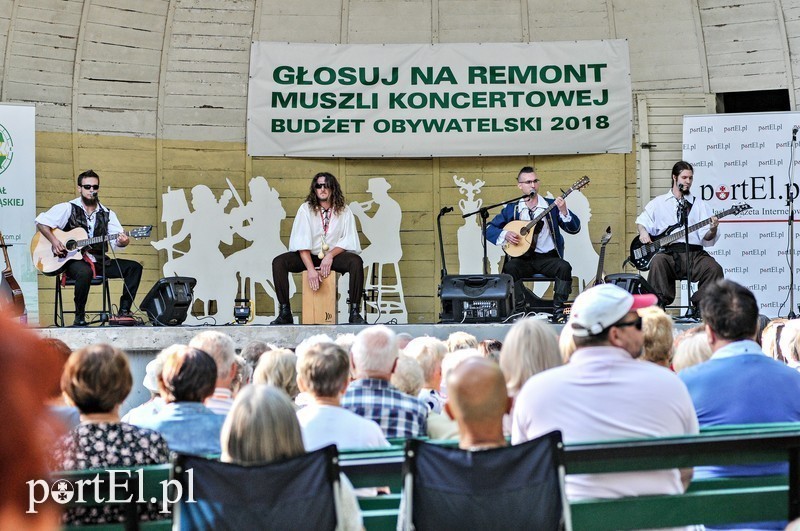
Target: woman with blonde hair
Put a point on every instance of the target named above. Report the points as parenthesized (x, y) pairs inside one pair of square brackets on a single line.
[(279, 368), (262, 427), (529, 348), (691, 348), (657, 329)]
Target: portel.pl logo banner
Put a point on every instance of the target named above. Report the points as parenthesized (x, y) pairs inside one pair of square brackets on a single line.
[(750, 158), (414, 100)]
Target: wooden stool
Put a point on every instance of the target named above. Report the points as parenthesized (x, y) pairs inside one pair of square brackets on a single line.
[(319, 307)]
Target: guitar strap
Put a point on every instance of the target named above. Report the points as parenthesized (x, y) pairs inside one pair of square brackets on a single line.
[(86, 259)]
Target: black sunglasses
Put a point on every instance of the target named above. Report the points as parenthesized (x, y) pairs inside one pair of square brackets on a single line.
[(90, 186), (320, 186), (637, 323)]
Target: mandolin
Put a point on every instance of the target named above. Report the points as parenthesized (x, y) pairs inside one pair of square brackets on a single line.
[(10, 291), (529, 230)]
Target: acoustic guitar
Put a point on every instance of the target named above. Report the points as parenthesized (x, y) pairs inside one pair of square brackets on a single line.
[(642, 254), (10, 292), (529, 230), (75, 241)]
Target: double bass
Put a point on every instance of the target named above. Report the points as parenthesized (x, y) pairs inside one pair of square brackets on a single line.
[(10, 292)]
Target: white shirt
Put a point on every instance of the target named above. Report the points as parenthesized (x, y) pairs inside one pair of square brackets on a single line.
[(544, 242), (322, 425), (307, 232), (662, 212), (58, 216), (604, 394)]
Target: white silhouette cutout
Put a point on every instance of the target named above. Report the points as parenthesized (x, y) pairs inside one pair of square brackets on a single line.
[(384, 249), (207, 225), (469, 237), (260, 221)]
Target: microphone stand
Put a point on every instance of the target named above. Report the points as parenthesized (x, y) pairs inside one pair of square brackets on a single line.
[(484, 212), (442, 212), (685, 218), (104, 316), (790, 203)]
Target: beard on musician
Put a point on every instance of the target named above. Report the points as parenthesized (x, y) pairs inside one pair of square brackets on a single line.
[(529, 230)]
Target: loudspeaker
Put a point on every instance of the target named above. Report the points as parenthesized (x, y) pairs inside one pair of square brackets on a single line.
[(169, 300), (476, 298), (630, 282)]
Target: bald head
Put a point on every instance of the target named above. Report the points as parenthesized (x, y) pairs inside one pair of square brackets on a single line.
[(476, 392)]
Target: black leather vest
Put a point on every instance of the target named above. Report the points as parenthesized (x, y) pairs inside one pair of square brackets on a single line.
[(78, 219)]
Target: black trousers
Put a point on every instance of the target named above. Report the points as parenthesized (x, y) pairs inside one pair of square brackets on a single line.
[(669, 266), (549, 264), (345, 262), (81, 273)]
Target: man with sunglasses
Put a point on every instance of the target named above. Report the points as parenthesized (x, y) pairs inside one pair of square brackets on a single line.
[(323, 239), (86, 212), (547, 257), (606, 393)]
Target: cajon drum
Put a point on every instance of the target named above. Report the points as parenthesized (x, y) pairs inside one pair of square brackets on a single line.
[(319, 307)]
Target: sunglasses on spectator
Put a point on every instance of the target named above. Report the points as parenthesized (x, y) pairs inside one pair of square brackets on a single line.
[(90, 186), (320, 186), (637, 323)]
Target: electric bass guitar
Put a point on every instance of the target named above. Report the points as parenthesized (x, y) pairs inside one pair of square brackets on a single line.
[(529, 230), (643, 253), (599, 278), (75, 241)]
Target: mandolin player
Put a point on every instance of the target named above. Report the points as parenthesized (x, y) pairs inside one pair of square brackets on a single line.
[(663, 214), (545, 254), (87, 213)]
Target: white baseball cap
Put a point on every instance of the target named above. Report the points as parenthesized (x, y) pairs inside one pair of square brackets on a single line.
[(599, 307), (151, 372)]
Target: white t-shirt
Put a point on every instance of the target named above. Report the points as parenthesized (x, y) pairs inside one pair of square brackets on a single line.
[(604, 394), (322, 425)]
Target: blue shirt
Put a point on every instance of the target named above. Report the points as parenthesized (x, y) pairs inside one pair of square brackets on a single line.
[(188, 427), (398, 414)]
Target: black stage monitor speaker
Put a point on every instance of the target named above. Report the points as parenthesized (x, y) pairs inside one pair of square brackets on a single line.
[(476, 298), (630, 282), (169, 300)]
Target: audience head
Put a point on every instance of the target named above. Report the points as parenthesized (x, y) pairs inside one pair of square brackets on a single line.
[(220, 347), (530, 347), (460, 341), (324, 371), (452, 360), (691, 348), (403, 339), (657, 328), (278, 368), (730, 313), (763, 321), (151, 373), (407, 376), (63, 351), (261, 427), (566, 343), (345, 341), (29, 370), (490, 349), (97, 378), (309, 342), (477, 400), (189, 374), (241, 374), (607, 315), (777, 337), (429, 353), (375, 352), (253, 351)]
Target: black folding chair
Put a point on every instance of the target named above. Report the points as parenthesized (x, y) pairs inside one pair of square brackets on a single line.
[(517, 487), (296, 493)]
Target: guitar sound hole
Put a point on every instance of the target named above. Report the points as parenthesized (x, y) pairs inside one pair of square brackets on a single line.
[(70, 245)]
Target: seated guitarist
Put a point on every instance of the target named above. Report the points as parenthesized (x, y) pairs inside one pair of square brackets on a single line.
[(663, 213), (547, 256), (87, 213)]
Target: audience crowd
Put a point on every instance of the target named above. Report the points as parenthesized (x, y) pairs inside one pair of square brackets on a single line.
[(618, 369)]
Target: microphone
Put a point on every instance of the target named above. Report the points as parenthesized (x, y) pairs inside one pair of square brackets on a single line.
[(445, 210), (794, 134), (94, 195), (682, 188)]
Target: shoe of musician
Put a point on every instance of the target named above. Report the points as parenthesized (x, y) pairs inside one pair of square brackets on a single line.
[(80, 320), (123, 318), (125, 313), (355, 315), (284, 316), (558, 317)]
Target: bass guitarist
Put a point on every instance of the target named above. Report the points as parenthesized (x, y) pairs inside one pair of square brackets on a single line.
[(87, 213), (546, 257), (663, 213)]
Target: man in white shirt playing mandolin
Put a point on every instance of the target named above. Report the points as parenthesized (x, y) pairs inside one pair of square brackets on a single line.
[(542, 248), (323, 236)]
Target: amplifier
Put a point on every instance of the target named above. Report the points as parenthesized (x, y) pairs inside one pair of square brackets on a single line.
[(476, 298)]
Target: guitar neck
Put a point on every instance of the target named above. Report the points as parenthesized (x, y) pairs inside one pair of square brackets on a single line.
[(600, 263), (675, 236), (98, 239)]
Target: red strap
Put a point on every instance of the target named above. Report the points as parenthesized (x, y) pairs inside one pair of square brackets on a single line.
[(85, 259)]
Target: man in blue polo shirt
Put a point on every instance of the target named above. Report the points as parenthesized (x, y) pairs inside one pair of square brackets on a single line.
[(739, 384)]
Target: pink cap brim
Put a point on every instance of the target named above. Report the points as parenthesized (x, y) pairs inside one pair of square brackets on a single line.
[(643, 301)]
